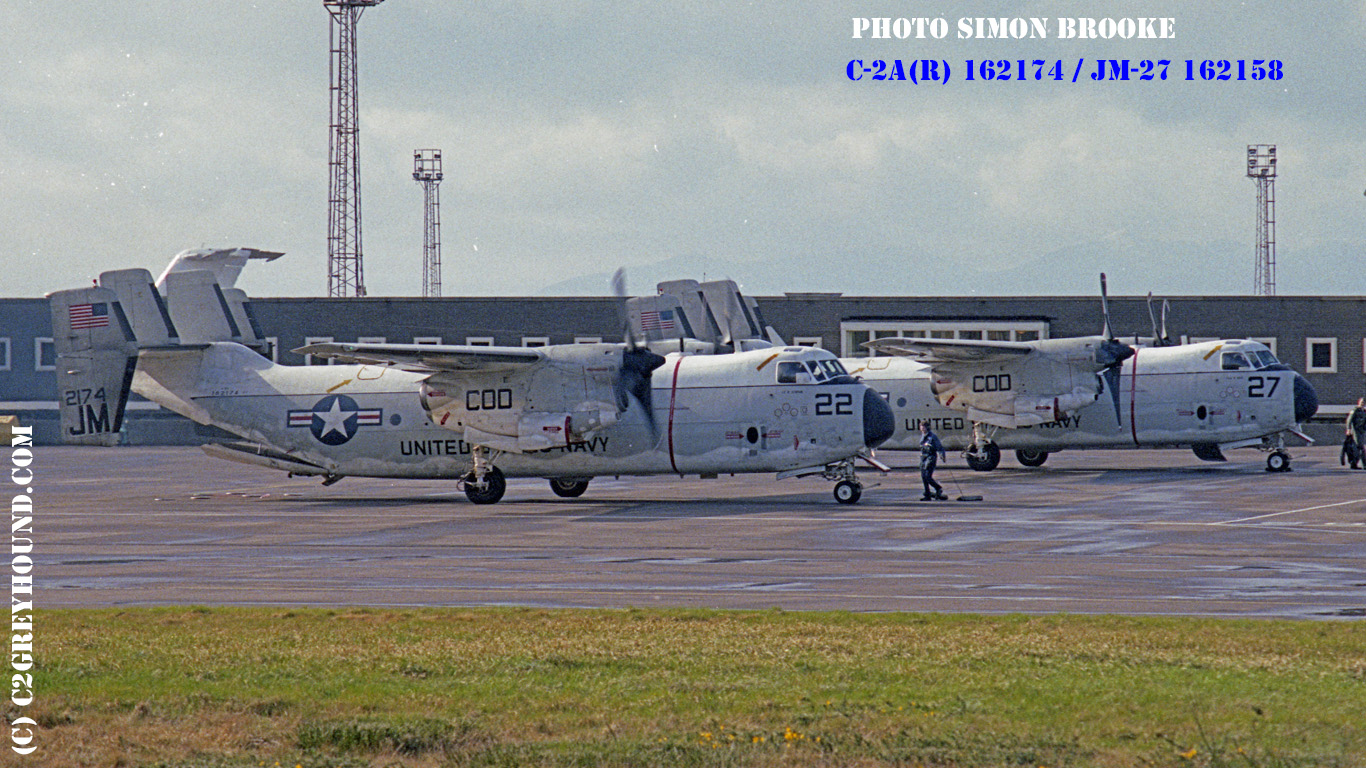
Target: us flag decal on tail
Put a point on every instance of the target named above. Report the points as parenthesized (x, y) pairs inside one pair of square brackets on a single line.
[(86, 316)]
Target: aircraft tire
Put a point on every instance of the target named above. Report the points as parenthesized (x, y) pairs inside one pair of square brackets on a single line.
[(848, 491), (1031, 457), (496, 486), (569, 487), (1278, 461), (987, 460)]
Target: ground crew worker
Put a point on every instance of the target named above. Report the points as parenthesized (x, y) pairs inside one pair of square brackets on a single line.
[(1356, 429), (931, 450)]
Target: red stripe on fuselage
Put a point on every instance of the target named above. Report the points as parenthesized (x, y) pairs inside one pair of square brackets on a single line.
[(673, 399), (1133, 390)]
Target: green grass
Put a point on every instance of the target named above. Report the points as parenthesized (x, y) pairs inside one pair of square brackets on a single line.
[(518, 687)]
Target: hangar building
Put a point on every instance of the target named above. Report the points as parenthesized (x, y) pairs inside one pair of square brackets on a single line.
[(1323, 337)]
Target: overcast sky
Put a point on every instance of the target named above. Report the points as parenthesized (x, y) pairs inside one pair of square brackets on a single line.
[(696, 139)]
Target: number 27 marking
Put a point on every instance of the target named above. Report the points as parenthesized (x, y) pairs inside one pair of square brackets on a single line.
[(1257, 385)]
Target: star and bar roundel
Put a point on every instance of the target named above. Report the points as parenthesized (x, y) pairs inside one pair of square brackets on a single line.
[(334, 419)]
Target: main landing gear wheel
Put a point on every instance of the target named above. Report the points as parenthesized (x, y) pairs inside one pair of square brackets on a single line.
[(1031, 458), (848, 491), (986, 459), (493, 487), (569, 487), (1278, 461)]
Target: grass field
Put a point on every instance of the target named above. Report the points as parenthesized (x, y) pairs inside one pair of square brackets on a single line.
[(526, 687)]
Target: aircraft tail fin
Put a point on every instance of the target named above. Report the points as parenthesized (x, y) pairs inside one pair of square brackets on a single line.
[(96, 356), (205, 311), (148, 316), (658, 318)]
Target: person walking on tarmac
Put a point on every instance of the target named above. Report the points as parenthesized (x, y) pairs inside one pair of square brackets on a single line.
[(931, 450), (1356, 430)]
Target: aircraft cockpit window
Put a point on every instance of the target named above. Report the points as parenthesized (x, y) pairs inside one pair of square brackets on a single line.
[(1235, 361), (816, 372), (793, 373), (1265, 358), (832, 368)]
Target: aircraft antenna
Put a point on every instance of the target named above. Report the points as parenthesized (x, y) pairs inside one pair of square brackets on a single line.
[(345, 275), (1261, 167), (427, 172)]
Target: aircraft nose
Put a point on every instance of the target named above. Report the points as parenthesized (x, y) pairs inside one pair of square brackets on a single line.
[(878, 420), (1306, 400)]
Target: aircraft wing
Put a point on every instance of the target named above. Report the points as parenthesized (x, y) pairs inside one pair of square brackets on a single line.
[(953, 350), (427, 358), (1016, 384)]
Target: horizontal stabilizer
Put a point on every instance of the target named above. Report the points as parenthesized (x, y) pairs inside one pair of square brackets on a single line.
[(225, 263)]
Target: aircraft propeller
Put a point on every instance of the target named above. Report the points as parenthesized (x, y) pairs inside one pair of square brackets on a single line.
[(638, 363), (1111, 353), (1159, 339)]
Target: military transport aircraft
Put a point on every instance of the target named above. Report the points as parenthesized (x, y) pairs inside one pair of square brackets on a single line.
[(1043, 396), (473, 414)]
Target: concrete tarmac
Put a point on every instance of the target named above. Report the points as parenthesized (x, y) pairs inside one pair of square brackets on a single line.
[(1115, 532)]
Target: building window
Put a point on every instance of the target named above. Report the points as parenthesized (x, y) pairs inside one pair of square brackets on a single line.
[(479, 341), (808, 341), (1269, 341), (535, 341), (854, 332), (426, 339), (587, 339), (272, 348), (44, 355), (1320, 355), (4, 355), (310, 359)]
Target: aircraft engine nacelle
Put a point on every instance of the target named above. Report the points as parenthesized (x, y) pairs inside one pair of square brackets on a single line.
[(1004, 399), (493, 416), (1044, 410), (538, 431)]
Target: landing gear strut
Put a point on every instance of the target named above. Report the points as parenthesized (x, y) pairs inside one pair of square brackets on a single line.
[(848, 489), (1278, 460), (485, 483), (983, 455)]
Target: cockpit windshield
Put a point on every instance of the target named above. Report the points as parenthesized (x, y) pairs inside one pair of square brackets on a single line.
[(1265, 358), (809, 372), (830, 367), (1235, 361)]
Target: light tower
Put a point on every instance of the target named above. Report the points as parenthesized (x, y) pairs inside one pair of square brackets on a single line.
[(427, 172), (345, 275), (1261, 166)]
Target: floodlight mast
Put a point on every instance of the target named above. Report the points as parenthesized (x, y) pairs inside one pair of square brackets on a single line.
[(427, 172), (1261, 167), (345, 272)]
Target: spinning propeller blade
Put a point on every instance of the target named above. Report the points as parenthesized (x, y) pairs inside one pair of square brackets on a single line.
[(1111, 353), (638, 363)]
